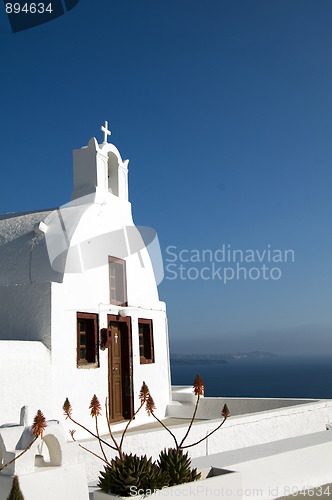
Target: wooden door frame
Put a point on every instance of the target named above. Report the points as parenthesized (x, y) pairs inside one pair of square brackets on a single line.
[(126, 362)]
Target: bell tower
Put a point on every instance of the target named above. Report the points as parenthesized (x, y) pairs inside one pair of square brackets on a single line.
[(100, 170)]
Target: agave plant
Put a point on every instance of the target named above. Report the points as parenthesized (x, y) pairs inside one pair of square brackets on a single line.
[(177, 465), (15, 492), (173, 461), (131, 475), (127, 474)]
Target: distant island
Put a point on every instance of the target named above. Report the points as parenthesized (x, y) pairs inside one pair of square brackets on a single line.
[(221, 358), (194, 361)]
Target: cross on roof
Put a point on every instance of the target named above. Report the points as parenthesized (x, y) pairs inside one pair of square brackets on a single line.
[(106, 131)]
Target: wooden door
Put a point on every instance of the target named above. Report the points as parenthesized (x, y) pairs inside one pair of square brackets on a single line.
[(115, 372), (120, 371)]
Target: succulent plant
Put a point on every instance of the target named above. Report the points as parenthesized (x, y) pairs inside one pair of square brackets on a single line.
[(125, 477), (129, 475), (177, 465), (15, 492)]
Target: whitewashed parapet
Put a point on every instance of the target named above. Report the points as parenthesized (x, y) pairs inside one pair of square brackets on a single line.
[(49, 469)]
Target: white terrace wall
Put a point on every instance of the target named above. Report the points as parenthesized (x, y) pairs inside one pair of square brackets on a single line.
[(25, 374), (210, 408), (237, 432), (49, 470)]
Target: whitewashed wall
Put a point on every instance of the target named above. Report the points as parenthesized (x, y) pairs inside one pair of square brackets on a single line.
[(238, 432), (25, 374)]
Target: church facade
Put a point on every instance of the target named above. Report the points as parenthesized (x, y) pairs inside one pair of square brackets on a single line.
[(79, 306)]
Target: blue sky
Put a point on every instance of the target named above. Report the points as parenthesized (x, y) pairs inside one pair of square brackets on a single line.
[(224, 109)]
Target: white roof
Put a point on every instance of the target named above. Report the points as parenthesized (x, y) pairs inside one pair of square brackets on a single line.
[(23, 252)]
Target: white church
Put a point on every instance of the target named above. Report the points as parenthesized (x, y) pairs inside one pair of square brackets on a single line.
[(80, 315), (79, 306)]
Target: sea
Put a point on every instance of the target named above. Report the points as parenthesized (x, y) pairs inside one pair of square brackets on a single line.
[(274, 377)]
